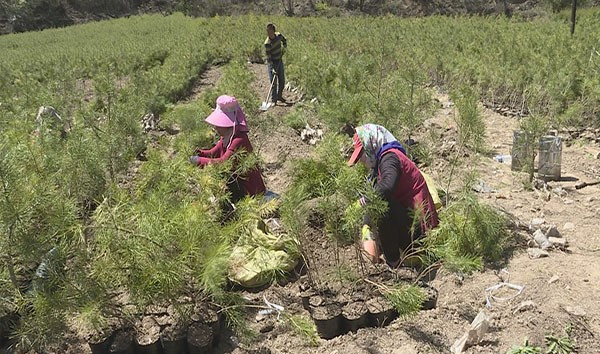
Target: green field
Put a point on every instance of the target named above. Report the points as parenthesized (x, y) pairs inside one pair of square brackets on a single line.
[(160, 239)]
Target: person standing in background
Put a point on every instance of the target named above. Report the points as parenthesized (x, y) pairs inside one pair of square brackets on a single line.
[(275, 44)]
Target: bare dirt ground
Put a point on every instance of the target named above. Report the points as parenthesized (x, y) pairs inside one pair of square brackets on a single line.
[(277, 144)]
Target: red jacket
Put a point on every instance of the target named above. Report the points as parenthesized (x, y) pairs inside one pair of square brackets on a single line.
[(411, 190), (252, 182)]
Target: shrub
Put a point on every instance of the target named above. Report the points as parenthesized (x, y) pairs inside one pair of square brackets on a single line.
[(468, 234)]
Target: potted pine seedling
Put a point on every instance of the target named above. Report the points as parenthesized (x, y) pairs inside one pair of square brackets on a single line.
[(199, 338), (356, 315), (381, 312), (147, 336), (122, 342), (173, 338), (328, 320), (100, 330), (206, 314)]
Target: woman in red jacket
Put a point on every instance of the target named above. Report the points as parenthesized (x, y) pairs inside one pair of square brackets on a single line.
[(398, 181), (230, 123)]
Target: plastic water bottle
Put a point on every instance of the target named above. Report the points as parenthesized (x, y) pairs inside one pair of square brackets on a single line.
[(503, 158)]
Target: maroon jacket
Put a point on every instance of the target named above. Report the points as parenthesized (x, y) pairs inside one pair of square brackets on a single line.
[(252, 182), (410, 190)]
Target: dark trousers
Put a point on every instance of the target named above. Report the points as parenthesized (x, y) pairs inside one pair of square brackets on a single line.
[(396, 231), (237, 193), (277, 89)]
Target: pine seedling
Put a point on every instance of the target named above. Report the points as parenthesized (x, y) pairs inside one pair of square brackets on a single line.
[(560, 345), (471, 127), (233, 305), (534, 126), (469, 233), (525, 349), (406, 299), (302, 327)]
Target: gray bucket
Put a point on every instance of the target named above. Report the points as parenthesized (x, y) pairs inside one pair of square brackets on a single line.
[(521, 151), (550, 158)]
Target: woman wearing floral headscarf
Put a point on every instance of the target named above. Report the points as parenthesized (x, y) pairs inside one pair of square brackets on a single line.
[(398, 181), (230, 123)]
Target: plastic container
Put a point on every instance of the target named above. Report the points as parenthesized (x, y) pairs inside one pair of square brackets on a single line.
[(101, 345), (173, 339), (328, 320), (122, 343), (503, 158), (521, 151), (381, 312), (431, 296), (356, 315), (549, 161)]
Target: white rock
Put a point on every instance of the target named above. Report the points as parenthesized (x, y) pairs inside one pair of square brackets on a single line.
[(536, 224), (575, 310), (559, 191), (541, 240), (569, 226), (536, 253), (554, 279), (473, 335)]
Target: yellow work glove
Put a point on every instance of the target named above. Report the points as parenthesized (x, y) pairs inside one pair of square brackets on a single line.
[(366, 233)]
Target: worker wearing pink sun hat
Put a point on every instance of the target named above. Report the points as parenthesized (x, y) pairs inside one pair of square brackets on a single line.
[(230, 123)]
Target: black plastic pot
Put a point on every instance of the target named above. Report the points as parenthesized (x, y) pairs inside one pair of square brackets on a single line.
[(381, 312), (151, 348), (147, 336), (199, 338), (101, 345), (177, 346), (173, 340), (122, 343), (328, 320), (214, 321), (208, 315), (356, 315), (431, 297), (305, 297)]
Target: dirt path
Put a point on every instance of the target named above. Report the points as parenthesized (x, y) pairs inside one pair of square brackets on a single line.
[(277, 144)]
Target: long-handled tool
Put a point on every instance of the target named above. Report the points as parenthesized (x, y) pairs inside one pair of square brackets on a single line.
[(266, 104), (585, 184)]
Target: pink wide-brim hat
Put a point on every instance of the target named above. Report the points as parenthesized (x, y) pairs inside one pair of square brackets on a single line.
[(227, 114)]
